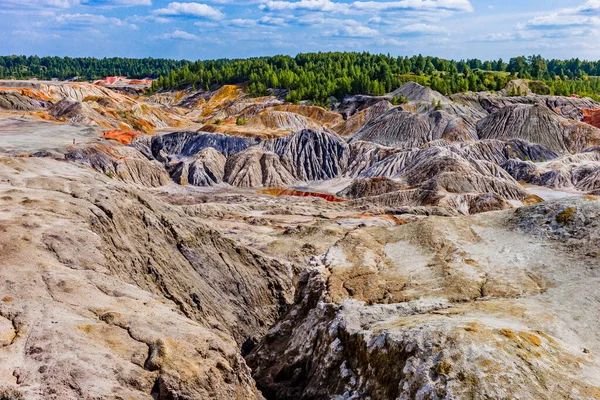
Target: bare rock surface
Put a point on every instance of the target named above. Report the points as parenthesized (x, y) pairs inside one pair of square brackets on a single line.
[(396, 128), (350, 126), (371, 187), (311, 155), (111, 293), (28, 136), (186, 144), (414, 92), (205, 168), (120, 162), (422, 311), (579, 172), (540, 125), (13, 100), (359, 270), (255, 167)]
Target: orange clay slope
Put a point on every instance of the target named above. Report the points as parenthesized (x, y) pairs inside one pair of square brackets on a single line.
[(591, 116), (121, 136), (291, 192)]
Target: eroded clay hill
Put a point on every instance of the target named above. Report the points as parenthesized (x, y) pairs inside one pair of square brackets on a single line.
[(485, 307), (87, 104), (113, 290), (445, 248), (467, 152), (108, 292), (460, 153)]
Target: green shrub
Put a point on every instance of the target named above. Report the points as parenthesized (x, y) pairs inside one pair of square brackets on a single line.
[(400, 99)]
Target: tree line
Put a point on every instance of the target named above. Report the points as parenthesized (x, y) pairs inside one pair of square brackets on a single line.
[(320, 76), (87, 68)]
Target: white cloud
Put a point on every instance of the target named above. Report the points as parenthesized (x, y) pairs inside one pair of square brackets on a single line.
[(116, 3), (72, 3), (79, 21), (242, 23), (179, 35), (28, 34), (404, 5), (584, 16), (272, 21), (207, 24), (420, 29), (148, 18), (304, 5), (197, 10), (369, 6), (352, 28), (499, 37), (391, 41), (7, 4)]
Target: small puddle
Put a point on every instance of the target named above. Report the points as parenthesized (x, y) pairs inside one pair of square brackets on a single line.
[(297, 193)]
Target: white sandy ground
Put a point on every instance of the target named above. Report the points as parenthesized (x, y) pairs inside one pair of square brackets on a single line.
[(27, 135)]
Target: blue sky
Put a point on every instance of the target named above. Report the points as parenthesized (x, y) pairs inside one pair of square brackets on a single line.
[(204, 29)]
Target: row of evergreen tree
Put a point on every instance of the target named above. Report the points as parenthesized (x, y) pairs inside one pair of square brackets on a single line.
[(22, 67), (318, 76)]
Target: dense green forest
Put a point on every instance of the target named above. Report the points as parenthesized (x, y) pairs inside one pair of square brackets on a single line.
[(21, 67), (318, 76)]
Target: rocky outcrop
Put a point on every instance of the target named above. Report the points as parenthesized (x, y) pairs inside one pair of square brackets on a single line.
[(458, 130), (538, 124), (572, 107), (14, 100), (591, 116), (255, 167), (87, 104), (364, 155), (311, 155), (414, 92), (568, 107), (187, 144), (396, 128), (428, 116), (351, 105), (68, 109), (205, 168), (282, 120), (120, 162), (121, 136), (368, 187), (450, 127), (444, 176), (350, 126), (579, 172), (517, 86), (324, 117), (267, 123), (395, 313)]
